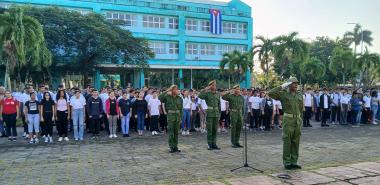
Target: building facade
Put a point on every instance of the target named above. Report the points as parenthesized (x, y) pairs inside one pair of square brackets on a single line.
[(178, 32)]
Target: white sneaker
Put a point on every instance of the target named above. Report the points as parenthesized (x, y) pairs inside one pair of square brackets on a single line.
[(111, 136), (187, 133), (46, 139), (183, 133), (153, 133), (50, 139), (27, 136), (76, 139), (36, 140), (66, 139), (24, 134), (374, 123), (60, 139), (44, 136), (114, 136)]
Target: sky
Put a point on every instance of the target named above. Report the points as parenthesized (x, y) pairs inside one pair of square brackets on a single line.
[(311, 18)]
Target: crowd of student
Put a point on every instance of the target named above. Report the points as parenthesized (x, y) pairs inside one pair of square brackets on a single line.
[(121, 110)]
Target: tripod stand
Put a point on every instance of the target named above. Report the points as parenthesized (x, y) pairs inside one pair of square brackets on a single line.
[(245, 155)]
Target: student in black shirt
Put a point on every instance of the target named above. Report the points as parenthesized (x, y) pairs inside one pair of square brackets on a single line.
[(95, 110), (32, 110), (47, 114), (141, 107)]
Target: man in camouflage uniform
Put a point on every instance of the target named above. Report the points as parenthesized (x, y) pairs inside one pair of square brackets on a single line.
[(212, 99), (292, 103), (236, 105), (172, 107)]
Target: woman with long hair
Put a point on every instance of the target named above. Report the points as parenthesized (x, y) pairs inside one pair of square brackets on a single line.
[(62, 113), (47, 112)]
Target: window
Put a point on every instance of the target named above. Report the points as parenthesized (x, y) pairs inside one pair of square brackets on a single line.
[(207, 49), (192, 49), (173, 47), (205, 26), (234, 28), (123, 19), (173, 23), (153, 21), (191, 25), (182, 8), (157, 47)]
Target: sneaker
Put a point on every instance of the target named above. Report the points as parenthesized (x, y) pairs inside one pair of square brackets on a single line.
[(24, 134), (111, 136), (76, 139), (188, 133), (183, 133), (81, 139), (10, 139), (60, 139), (153, 133), (66, 139), (46, 139), (14, 139), (31, 141), (36, 140), (50, 139), (43, 136), (219, 130), (114, 136), (374, 123)]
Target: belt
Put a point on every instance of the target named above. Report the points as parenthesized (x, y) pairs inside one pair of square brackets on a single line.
[(291, 115), (212, 108), (173, 111), (236, 110)]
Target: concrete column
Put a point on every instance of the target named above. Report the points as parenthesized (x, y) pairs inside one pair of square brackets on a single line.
[(142, 78), (180, 76)]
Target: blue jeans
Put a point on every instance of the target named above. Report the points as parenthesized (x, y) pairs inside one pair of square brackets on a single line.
[(354, 117), (140, 120), (78, 119), (125, 123), (186, 119), (2, 131), (359, 116), (374, 109), (33, 123)]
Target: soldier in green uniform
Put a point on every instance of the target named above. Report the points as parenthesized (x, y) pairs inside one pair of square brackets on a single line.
[(172, 107), (236, 105), (212, 99), (292, 103)]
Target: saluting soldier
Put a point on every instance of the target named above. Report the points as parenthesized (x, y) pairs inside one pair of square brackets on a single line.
[(172, 107), (212, 99), (236, 104), (292, 103)]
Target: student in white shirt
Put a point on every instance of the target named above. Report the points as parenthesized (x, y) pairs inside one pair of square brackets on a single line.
[(335, 97), (186, 113), (154, 112), (367, 107), (255, 107), (77, 104), (308, 101), (223, 113), (344, 106)]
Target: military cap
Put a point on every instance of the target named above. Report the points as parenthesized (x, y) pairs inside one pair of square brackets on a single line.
[(212, 82), (293, 80), (171, 87), (236, 86)]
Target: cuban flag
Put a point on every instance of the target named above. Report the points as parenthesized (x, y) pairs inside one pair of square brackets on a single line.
[(215, 21)]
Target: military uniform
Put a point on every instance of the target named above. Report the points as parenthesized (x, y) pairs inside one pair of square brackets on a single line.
[(173, 108), (236, 105), (292, 104), (213, 112)]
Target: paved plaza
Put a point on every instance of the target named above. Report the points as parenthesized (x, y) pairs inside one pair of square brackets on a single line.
[(334, 155)]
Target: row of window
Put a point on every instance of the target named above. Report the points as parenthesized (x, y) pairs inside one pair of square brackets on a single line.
[(212, 49), (161, 47), (153, 21)]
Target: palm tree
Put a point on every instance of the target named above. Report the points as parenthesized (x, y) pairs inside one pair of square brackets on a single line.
[(342, 62), (264, 53), (365, 62), (288, 48), (355, 37), (237, 63), (20, 34), (312, 69)]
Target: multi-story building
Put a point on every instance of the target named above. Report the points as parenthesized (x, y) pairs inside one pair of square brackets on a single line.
[(178, 32)]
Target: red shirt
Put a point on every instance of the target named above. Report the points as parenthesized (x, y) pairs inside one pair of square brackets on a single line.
[(9, 105)]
